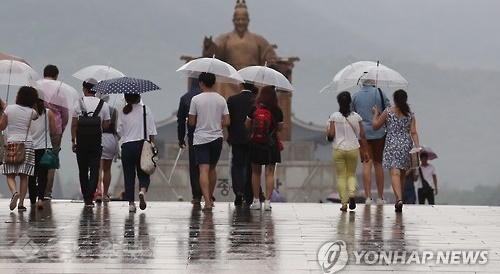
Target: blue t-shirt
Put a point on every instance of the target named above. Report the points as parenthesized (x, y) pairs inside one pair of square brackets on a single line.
[(363, 102)]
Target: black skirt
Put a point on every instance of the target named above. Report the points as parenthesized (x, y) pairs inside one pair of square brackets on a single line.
[(264, 155)]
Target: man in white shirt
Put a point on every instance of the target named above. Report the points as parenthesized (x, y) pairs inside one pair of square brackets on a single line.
[(88, 155), (208, 112), (427, 173)]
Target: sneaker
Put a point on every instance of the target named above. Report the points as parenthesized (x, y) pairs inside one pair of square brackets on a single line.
[(142, 201), (380, 201), (267, 205), (132, 208), (238, 200), (13, 201), (368, 201), (255, 204), (196, 201), (352, 203), (47, 198), (89, 204)]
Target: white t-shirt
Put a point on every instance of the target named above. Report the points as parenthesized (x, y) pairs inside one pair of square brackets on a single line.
[(427, 172), (209, 107), (18, 120), (130, 126), (90, 104), (39, 133), (345, 138)]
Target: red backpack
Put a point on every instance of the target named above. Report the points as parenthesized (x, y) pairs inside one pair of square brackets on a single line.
[(261, 124)]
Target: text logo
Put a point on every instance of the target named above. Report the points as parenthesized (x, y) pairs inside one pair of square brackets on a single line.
[(332, 256)]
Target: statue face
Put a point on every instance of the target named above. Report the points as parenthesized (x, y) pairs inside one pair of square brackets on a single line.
[(240, 20)]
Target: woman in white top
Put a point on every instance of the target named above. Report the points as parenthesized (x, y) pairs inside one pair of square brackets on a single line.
[(130, 127), (17, 120), (40, 131), (345, 129)]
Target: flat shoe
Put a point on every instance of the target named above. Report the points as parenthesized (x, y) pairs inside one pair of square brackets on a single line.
[(352, 203), (13, 201), (21, 208), (399, 206)]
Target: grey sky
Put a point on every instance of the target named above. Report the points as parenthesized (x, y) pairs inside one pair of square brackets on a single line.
[(446, 49)]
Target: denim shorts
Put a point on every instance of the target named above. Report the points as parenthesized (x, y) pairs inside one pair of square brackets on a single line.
[(208, 153)]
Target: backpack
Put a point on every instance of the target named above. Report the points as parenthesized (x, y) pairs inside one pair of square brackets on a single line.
[(261, 126), (89, 131)]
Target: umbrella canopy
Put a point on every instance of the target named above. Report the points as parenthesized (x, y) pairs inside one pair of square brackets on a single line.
[(57, 93), (98, 72), (382, 75), (5, 56), (340, 83), (265, 76), (125, 85), (429, 151), (223, 71), (16, 73)]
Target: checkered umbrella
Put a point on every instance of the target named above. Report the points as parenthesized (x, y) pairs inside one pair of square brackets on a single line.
[(125, 85)]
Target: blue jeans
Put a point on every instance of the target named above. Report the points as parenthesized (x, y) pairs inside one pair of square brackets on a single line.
[(89, 161), (131, 155)]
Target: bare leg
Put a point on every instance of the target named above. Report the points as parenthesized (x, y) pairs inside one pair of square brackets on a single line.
[(367, 178), (11, 182), (256, 171), (396, 183), (23, 188), (379, 179), (106, 176), (212, 179), (269, 181), (204, 184)]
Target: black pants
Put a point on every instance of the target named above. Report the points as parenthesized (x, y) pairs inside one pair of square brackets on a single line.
[(89, 160), (241, 168), (38, 182), (194, 171), (422, 195)]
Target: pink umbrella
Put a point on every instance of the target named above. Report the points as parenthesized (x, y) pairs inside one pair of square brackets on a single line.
[(432, 155)]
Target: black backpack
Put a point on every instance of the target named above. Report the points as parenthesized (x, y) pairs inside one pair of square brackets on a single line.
[(89, 130)]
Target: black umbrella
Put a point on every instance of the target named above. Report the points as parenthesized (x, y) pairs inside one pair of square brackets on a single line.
[(125, 85)]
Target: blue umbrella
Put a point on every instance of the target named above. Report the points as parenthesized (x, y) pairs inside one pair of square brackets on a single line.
[(125, 85)]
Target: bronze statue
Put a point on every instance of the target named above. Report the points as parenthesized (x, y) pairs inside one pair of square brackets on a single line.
[(240, 47)]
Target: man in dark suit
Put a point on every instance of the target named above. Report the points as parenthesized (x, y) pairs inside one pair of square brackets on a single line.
[(239, 140), (182, 115)]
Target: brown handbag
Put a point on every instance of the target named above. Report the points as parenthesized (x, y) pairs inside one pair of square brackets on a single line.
[(15, 152)]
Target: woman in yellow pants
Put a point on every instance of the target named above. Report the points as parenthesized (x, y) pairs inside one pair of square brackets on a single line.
[(345, 128)]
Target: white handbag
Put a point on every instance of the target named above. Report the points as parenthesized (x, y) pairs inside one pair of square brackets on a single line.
[(149, 153)]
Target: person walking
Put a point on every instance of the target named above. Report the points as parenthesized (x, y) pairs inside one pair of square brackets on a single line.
[(130, 128), (182, 116), (17, 119), (424, 175), (88, 153), (208, 113), (267, 154), (239, 140), (402, 136), (362, 103), (109, 152), (345, 128), (40, 131), (61, 116)]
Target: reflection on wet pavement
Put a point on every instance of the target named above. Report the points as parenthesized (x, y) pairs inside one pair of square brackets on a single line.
[(175, 237)]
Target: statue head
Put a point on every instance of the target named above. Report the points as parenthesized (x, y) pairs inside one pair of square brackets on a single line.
[(241, 17)]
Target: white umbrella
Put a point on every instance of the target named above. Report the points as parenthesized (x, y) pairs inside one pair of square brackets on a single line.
[(223, 71), (16, 73), (340, 83), (98, 72), (382, 75), (265, 76), (57, 93)]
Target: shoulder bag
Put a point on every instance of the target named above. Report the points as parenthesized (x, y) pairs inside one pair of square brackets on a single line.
[(15, 152), (50, 158), (149, 153)]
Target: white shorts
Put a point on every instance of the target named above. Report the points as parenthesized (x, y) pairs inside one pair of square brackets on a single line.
[(109, 146)]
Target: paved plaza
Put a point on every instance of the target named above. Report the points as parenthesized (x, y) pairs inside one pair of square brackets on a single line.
[(175, 237)]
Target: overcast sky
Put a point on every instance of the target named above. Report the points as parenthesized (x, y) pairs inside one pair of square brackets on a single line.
[(425, 40)]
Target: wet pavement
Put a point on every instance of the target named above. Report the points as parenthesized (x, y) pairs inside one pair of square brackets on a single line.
[(175, 237)]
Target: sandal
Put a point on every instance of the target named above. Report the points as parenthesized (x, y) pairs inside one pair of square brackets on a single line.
[(399, 206), (343, 208)]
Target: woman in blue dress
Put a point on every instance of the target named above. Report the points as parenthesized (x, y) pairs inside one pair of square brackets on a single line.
[(401, 137)]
